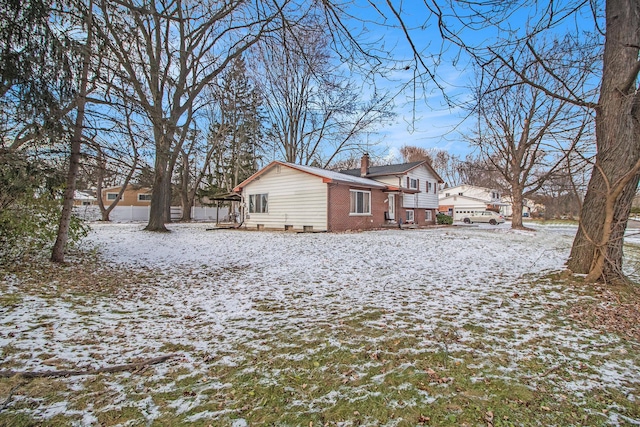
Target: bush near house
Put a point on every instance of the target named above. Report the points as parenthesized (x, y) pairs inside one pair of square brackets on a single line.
[(444, 219)]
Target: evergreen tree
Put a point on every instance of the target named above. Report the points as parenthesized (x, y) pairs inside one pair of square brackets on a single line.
[(236, 130)]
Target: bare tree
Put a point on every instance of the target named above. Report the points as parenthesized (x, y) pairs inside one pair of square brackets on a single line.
[(523, 133), (315, 112), (116, 156), (168, 52), (598, 246), (412, 153), (597, 249)]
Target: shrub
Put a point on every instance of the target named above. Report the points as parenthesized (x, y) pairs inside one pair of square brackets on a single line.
[(29, 209), (29, 227), (444, 219)]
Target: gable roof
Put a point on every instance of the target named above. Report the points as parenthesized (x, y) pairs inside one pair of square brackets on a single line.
[(445, 199), (327, 175), (81, 195), (400, 168), (134, 187), (472, 187)]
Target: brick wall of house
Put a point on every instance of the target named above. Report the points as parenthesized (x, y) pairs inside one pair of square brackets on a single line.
[(338, 210), (419, 216)]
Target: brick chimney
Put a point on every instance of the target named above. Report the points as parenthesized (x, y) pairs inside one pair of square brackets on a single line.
[(364, 165)]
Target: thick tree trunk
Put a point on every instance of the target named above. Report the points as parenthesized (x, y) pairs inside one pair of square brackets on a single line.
[(158, 209), (186, 209), (516, 205), (597, 248)]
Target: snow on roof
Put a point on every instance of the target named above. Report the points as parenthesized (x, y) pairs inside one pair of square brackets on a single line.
[(337, 176), (476, 199), (322, 173), (385, 169), (400, 168), (80, 195)]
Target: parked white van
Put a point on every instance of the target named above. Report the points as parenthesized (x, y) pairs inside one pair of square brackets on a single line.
[(493, 218)]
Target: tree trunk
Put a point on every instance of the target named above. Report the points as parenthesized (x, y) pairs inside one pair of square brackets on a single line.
[(597, 247), (158, 209), (57, 253), (185, 199), (516, 205)]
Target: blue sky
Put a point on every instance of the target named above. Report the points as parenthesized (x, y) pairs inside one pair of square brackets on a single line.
[(424, 118), (428, 121)]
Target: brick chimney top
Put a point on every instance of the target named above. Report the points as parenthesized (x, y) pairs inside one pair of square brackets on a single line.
[(364, 165)]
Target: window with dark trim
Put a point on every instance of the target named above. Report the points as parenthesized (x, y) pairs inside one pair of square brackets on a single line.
[(258, 203), (144, 197)]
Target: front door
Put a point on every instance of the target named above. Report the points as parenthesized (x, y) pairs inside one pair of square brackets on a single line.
[(392, 207)]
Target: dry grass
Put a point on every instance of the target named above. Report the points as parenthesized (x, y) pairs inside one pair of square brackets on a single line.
[(369, 367)]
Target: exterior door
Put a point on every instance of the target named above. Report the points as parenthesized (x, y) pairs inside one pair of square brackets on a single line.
[(392, 207)]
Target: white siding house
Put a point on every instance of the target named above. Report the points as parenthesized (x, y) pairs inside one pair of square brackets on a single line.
[(417, 189), (462, 200), (292, 198), (461, 206), (295, 197)]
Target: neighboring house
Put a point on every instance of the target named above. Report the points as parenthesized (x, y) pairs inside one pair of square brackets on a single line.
[(528, 207), (81, 198), (294, 197), (462, 200), (133, 195)]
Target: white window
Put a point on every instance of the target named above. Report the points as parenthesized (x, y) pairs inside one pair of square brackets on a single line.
[(258, 203), (427, 215), (144, 197), (413, 183), (447, 194), (112, 196), (460, 194), (410, 216), (360, 203), (428, 187)]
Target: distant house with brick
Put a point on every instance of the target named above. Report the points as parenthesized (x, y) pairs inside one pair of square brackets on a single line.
[(287, 196), (133, 195)]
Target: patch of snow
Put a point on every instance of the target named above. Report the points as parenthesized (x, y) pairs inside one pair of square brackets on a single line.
[(231, 295)]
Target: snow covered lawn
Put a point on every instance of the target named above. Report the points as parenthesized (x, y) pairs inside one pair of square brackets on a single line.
[(442, 326)]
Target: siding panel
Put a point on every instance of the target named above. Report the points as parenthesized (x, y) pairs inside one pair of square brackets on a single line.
[(295, 198)]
